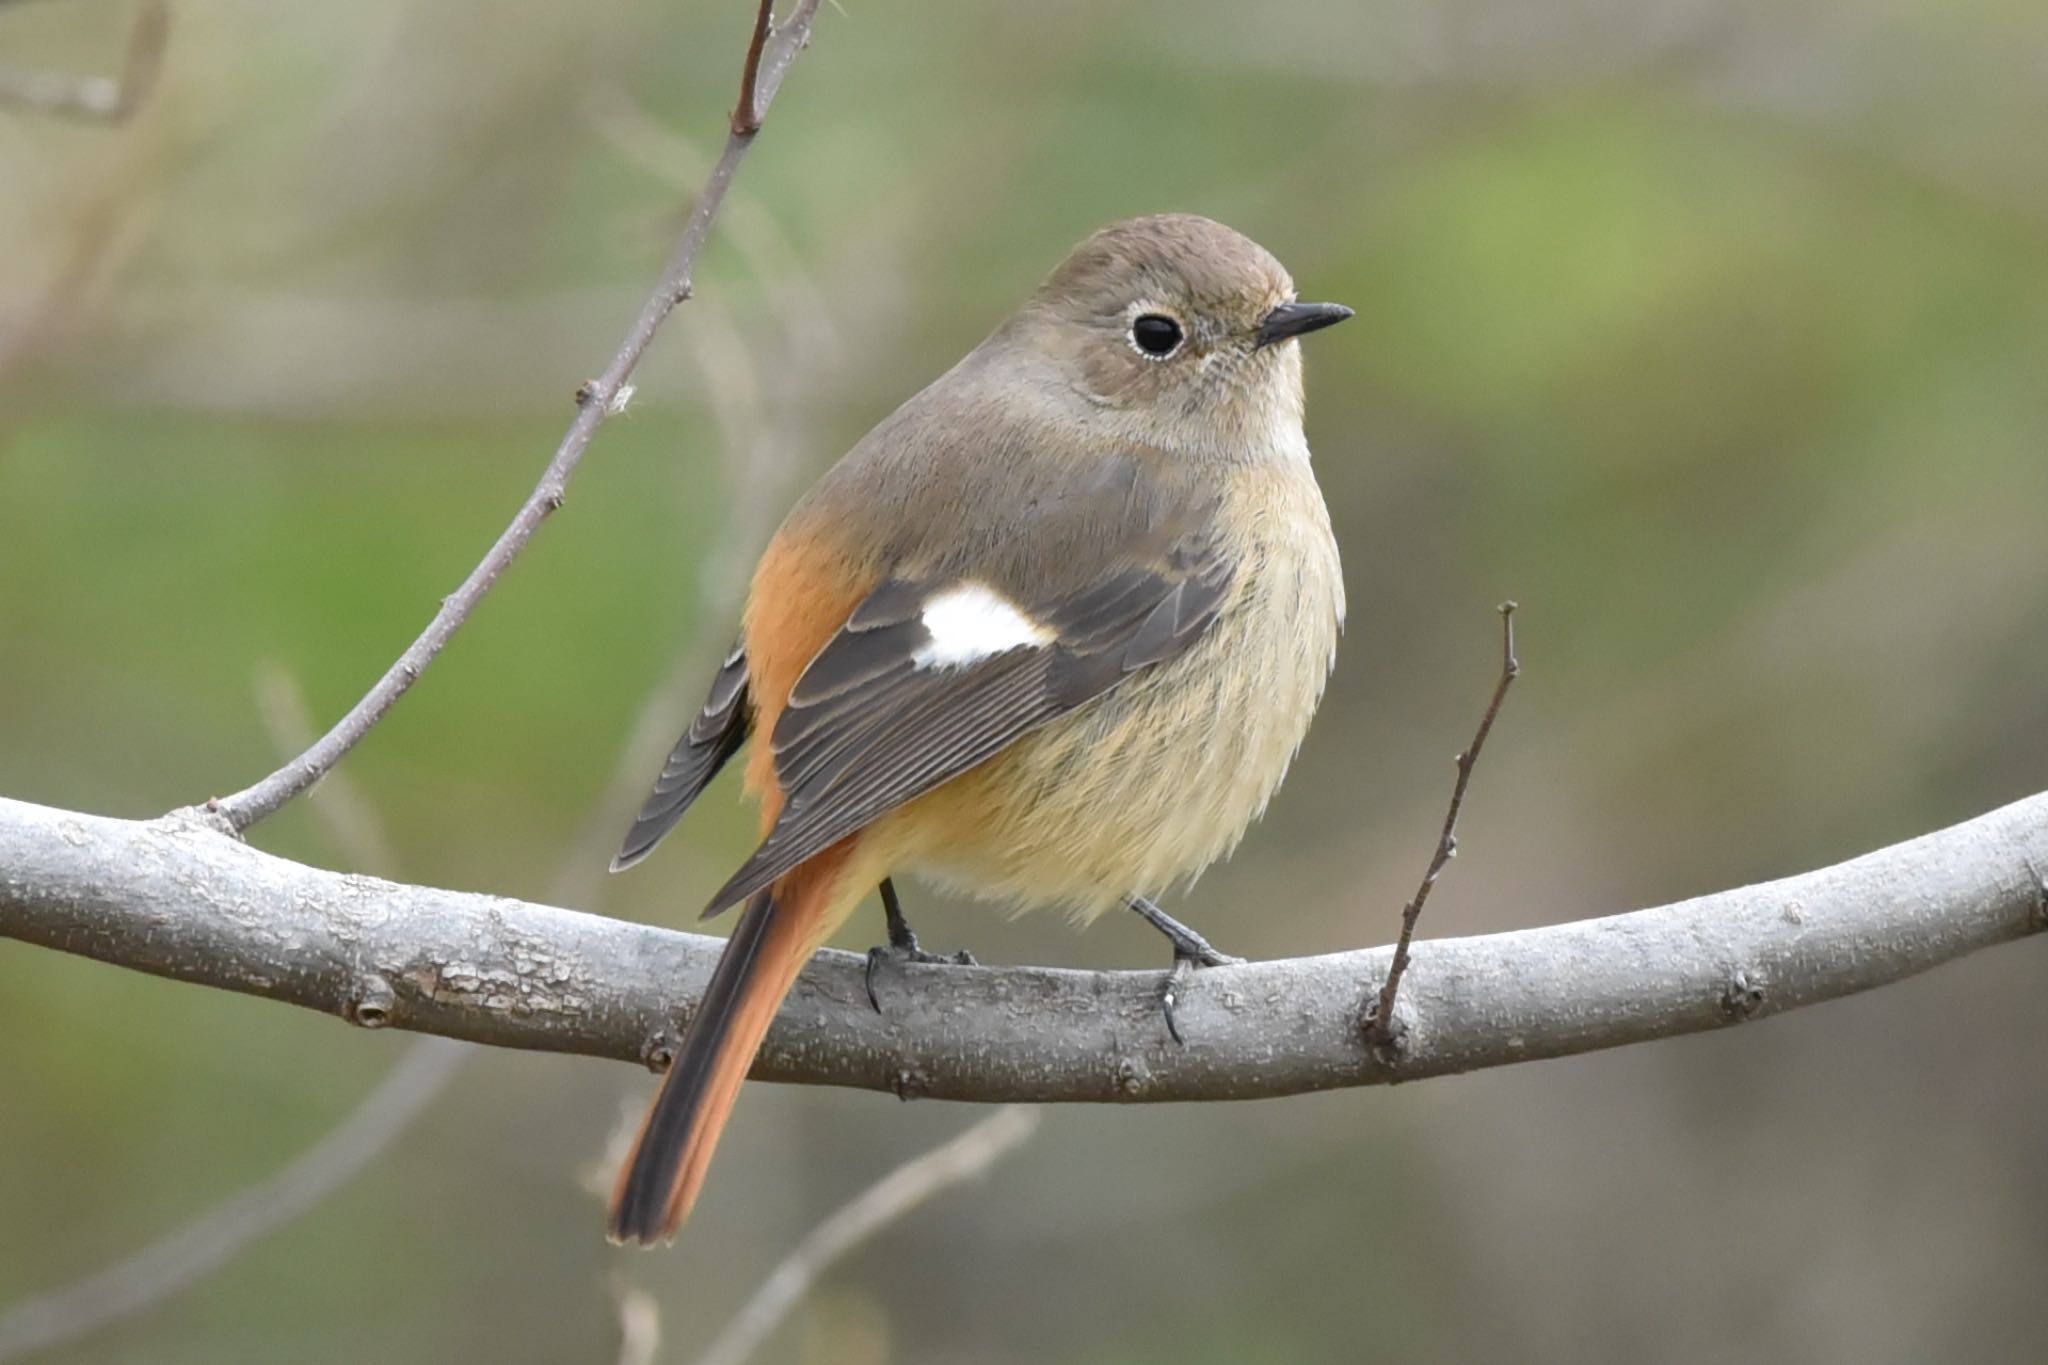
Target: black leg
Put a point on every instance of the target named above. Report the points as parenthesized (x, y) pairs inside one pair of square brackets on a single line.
[(1190, 950), (903, 945), (901, 935), (1188, 945)]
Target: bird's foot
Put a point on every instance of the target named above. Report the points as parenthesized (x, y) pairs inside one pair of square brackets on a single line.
[(899, 953), (904, 947), (1190, 952)]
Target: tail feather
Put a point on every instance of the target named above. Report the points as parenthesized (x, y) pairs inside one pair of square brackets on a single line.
[(780, 930)]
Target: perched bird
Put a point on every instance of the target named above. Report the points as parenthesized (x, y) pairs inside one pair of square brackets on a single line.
[(1050, 633)]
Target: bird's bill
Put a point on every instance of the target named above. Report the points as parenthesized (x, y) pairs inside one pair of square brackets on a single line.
[(1299, 319)]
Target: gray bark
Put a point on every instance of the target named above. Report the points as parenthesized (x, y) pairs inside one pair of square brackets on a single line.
[(178, 897)]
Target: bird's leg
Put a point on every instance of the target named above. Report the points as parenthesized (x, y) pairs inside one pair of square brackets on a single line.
[(901, 936), (1188, 946), (903, 945), (1190, 950)]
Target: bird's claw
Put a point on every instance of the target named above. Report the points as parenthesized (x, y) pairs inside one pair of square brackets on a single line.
[(1184, 966), (908, 952)]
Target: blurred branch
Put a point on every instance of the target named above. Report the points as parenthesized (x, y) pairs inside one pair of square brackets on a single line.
[(1381, 1023), (197, 1249), (809, 336), (769, 57), (98, 233), (962, 1158), (639, 1324), (99, 99), (758, 455), (92, 243), (179, 897), (204, 1244)]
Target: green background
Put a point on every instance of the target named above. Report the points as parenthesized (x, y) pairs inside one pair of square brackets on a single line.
[(1716, 333)]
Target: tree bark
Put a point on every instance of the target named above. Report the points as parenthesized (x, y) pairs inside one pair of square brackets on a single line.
[(178, 897)]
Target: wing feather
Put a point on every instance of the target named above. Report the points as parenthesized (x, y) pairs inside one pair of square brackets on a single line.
[(720, 728), (868, 728)]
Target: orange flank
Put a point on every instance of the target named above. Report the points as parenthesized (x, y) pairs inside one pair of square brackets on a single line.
[(804, 589)]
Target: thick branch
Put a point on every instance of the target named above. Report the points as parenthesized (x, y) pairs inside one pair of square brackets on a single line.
[(178, 898), (768, 59)]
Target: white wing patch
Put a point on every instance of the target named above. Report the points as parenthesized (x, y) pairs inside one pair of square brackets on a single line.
[(969, 623)]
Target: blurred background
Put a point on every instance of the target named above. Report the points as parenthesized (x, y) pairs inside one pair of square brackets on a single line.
[(1714, 331)]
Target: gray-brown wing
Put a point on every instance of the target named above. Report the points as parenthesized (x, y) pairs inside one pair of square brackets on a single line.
[(713, 737), (875, 722)]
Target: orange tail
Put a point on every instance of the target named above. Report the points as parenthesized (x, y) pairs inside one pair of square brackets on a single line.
[(780, 930)]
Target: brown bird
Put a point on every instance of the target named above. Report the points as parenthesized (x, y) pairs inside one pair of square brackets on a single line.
[(1050, 633)]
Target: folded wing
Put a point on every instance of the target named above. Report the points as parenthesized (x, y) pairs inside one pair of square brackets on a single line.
[(932, 676), (720, 728)]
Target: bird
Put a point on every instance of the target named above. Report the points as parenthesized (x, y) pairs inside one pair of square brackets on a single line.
[(1050, 634)]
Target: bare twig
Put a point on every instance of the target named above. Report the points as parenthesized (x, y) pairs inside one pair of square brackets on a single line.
[(761, 469), (809, 337), (746, 116), (178, 898), (768, 59), (759, 438), (340, 804), (180, 1260), (98, 99), (758, 458), (1381, 1026), (887, 1200)]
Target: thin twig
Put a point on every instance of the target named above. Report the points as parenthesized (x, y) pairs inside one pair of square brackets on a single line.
[(768, 59), (809, 338), (759, 459), (1381, 1028), (746, 118), (340, 803), (197, 1249), (884, 1202), (98, 99), (761, 469)]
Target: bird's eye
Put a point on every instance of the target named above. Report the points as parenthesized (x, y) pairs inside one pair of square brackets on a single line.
[(1156, 335)]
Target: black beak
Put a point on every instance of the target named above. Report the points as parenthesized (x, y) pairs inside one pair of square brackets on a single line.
[(1299, 319)]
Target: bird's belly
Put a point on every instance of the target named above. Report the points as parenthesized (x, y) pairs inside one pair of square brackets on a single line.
[(1152, 782)]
